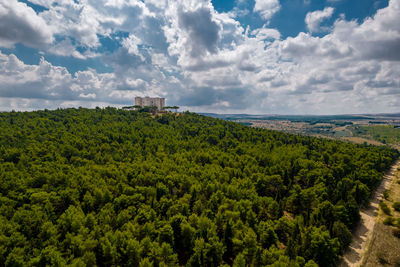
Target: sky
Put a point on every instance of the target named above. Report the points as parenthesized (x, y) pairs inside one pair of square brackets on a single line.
[(256, 56)]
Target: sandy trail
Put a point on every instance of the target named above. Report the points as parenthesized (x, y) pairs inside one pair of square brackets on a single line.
[(361, 237)]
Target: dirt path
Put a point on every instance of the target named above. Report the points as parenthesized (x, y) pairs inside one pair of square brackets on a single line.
[(362, 236)]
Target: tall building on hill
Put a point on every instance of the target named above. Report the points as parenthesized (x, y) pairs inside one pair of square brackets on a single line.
[(158, 102)]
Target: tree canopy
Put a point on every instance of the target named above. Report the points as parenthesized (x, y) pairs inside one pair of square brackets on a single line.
[(114, 187)]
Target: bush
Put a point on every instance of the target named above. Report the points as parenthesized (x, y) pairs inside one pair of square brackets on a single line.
[(386, 194), (396, 232), (388, 221), (397, 262), (382, 258), (396, 206), (385, 208)]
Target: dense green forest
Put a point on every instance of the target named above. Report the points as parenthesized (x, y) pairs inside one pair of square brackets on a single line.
[(110, 187)]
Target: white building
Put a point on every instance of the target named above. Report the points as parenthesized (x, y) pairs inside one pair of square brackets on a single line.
[(158, 102)]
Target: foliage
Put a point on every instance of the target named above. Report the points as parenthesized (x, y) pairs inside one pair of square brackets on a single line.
[(386, 194), (396, 206), (388, 221), (384, 207), (382, 258), (114, 187), (151, 109), (396, 232), (171, 107)]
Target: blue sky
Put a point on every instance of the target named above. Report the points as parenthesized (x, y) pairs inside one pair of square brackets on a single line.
[(258, 56)]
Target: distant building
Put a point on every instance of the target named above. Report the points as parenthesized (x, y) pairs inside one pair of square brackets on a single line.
[(158, 102)]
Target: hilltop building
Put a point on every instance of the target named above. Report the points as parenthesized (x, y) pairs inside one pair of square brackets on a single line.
[(158, 102)]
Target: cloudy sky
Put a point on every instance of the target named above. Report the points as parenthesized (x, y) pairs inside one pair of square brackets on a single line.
[(243, 56)]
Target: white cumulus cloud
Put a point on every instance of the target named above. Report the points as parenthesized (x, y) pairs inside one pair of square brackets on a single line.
[(267, 8), (207, 60), (314, 19), (20, 24)]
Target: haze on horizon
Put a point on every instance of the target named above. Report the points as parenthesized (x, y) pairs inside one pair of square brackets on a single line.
[(257, 57)]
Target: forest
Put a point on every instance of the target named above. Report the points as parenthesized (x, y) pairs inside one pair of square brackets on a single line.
[(111, 187)]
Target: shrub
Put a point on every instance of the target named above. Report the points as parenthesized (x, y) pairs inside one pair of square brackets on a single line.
[(386, 194), (381, 258), (396, 206), (388, 221), (396, 232), (385, 208)]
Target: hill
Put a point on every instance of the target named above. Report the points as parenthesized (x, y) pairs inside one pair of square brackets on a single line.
[(112, 187)]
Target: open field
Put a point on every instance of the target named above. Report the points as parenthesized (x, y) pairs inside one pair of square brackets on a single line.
[(362, 140), (386, 133)]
